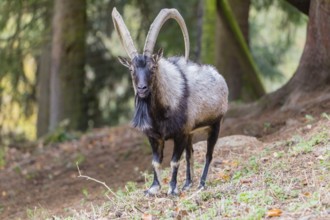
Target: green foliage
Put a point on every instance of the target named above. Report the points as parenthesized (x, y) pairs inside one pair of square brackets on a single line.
[(325, 115), (2, 157), (274, 30), (306, 146), (209, 32), (309, 118), (190, 205), (131, 187), (85, 192), (255, 197), (61, 134)]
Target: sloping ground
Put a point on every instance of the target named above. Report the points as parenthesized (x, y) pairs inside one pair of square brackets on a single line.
[(286, 168), (249, 179), (47, 177)]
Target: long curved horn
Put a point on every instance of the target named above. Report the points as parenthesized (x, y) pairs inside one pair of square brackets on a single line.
[(124, 35), (155, 27)]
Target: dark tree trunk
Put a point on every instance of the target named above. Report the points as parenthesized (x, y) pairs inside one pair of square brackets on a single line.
[(301, 5), (43, 91), (231, 61), (198, 50), (67, 64), (43, 77), (313, 72)]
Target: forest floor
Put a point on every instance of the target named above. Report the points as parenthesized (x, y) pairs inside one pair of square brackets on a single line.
[(275, 164)]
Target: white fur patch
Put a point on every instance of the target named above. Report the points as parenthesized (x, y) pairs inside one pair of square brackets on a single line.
[(170, 190), (154, 190), (156, 166), (174, 164), (170, 84)]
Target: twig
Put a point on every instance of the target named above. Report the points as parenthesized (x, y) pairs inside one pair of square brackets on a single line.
[(95, 180), (107, 187)]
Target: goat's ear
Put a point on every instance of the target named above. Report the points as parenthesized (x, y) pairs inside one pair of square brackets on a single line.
[(156, 57), (125, 61)]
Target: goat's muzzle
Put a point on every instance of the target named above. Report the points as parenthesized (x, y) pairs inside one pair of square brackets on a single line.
[(143, 92)]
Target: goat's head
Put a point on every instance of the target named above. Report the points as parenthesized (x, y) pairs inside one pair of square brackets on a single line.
[(143, 70), (144, 66)]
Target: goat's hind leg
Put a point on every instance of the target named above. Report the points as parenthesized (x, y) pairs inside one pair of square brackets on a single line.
[(211, 141), (190, 165), (157, 158)]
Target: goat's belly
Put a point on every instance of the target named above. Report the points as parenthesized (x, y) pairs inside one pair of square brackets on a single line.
[(200, 134), (204, 129)]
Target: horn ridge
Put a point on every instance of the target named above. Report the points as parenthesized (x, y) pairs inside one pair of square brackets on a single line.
[(123, 33)]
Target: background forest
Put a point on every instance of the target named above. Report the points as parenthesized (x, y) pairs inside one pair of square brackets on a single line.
[(94, 90)]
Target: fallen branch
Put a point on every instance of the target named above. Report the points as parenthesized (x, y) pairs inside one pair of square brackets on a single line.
[(98, 181), (106, 186)]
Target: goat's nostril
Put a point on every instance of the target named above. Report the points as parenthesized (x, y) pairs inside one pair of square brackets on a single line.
[(142, 87)]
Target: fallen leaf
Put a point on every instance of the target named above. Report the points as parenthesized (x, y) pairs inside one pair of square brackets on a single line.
[(182, 195), (274, 213), (234, 164), (224, 176), (146, 216), (307, 194), (264, 159), (166, 180), (245, 181), (310, 163), (180, 214)]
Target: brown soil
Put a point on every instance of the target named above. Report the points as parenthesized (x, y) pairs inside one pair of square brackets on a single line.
[(46, 177)]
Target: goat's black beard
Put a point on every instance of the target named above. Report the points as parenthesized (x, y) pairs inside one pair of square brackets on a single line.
[(142, 118)]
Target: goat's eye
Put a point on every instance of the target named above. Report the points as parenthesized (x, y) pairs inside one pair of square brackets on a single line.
[(153, 68)]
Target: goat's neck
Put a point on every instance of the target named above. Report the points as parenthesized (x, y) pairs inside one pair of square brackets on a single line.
[(169, 85)]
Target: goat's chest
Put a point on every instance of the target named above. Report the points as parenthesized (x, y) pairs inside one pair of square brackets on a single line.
[(167, 123)]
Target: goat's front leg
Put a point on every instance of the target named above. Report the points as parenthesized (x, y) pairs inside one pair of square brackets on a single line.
[(157, 158), (179, 145)]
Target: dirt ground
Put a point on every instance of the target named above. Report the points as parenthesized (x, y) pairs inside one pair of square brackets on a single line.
[(46, 177)]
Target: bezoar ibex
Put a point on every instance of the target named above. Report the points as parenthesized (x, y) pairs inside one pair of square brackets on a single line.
[(173, 98)]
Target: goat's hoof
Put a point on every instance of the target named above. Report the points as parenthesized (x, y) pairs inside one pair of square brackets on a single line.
[(187, 186), (173, 192), (153, 190), (201, 187)]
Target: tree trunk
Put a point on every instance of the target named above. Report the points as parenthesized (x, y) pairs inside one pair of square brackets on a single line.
[(198, 50), (234, 61), (67, 64), (43, 91), (313, 72), (301, 5)]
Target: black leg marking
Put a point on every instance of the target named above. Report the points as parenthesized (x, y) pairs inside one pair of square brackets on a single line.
[(157, 158), (211, 141), (179, 145), (190, 165)]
